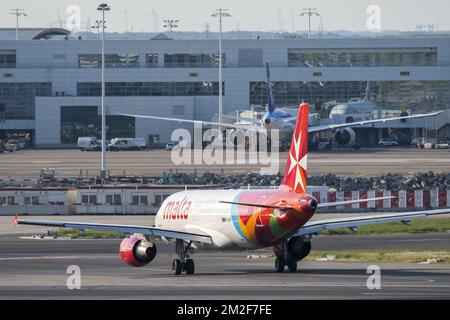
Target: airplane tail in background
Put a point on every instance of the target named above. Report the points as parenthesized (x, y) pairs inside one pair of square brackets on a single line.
[(269, 90), (296, 166), (367, 93)]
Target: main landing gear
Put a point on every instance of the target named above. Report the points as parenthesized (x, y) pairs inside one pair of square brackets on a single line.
[(184, 263), (290, 252), (281, 262)]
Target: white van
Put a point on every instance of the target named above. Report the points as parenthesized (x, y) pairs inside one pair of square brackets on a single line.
[(126, 144), (89, 144)]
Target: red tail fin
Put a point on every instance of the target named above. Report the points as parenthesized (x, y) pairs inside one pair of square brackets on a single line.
[(296, 166)]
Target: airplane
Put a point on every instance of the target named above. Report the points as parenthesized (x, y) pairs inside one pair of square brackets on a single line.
[(284, 119), (240, 219)]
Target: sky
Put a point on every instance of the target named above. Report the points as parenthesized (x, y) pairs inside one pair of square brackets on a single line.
[(249, 15)]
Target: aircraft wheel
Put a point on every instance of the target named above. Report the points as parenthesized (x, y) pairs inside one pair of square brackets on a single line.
[(292, 265), (279, 264), (177, 267), (189, 266)]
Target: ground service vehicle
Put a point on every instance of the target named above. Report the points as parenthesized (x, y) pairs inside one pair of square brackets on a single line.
[(89, 144), (127, 144), (387, 142)]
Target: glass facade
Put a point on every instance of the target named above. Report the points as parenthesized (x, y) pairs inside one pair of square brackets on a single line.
[(192, 60), (128, 60), (89, 60), (290, 93), (167, 89), (18, 99), (82, 121), (7, 58), (151, 60), (362, 58)]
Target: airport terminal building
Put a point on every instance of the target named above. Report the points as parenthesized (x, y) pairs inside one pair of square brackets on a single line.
[(50, 87)]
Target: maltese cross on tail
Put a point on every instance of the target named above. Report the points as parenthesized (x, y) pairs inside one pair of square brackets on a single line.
[(296, 167)]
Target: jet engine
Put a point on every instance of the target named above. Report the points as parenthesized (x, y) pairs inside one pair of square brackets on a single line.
[(345, 137), (137, 251), (298, 248)]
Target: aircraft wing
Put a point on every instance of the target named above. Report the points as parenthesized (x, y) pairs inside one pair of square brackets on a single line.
[(239, 118), (314, 227), (311, 129), (130, 229), (361, 123), (228, 125)]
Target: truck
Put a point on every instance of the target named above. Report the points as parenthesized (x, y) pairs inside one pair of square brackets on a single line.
[(127, 144), (424, 143), (47, 175), (89, 144)]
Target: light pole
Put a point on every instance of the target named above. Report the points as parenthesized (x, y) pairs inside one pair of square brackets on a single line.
[(97, 26), (125, 13), (17, 13), (220, 13), (103, 7), (309, 12), (171, 24)]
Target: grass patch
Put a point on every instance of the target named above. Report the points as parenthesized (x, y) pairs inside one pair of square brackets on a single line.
[(441, 256), (88, 233), (417, 226)]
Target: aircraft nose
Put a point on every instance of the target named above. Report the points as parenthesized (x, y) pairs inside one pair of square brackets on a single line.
[(313, 203), (308, 204)]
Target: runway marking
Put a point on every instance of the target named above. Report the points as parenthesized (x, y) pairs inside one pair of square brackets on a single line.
[(208, 285), (52, 257), (379, 160), (68, 238), (431, 294), (159, 270)]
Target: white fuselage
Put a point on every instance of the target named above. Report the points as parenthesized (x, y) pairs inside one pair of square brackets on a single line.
[(201, 212), (247, 221)]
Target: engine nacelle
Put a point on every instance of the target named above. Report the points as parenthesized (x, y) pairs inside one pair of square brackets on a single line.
[(297, 247), (137, 251), (345, 137)]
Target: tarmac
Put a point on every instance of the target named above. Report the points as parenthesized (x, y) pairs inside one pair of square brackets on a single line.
[(363, 162), (38, 269)]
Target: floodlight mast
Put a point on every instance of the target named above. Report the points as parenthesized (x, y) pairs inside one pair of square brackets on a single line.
[(309, 12), (103, 8), (170, 25), (17, 12), (221, 13)]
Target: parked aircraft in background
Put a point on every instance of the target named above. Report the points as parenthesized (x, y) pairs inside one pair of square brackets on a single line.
[(240, 219), (283, 119)]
